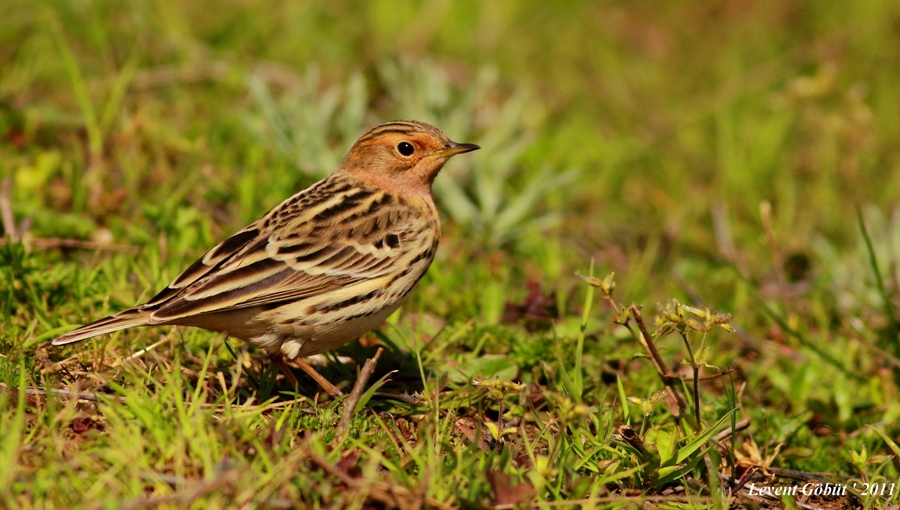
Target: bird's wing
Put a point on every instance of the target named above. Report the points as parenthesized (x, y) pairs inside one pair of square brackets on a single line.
[(309, 256)]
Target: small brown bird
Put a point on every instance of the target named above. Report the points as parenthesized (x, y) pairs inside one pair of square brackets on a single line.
[(322, 267)]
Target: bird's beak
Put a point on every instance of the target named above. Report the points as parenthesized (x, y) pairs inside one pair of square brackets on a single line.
[(453, 148)]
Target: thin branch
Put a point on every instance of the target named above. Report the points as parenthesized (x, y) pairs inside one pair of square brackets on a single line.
[(725, 434), (402, 397), (141, 352), (717, 375), (661, 367), (52, 243), (62, 392), (355, 394), (666, 375), (696, 382)]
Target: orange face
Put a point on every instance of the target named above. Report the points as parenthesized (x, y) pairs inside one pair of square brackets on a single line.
[(403, 157)]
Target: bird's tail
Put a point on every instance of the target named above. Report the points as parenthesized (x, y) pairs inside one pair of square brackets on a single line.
[(126, 319)]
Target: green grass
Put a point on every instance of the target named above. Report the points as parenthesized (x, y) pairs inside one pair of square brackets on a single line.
[(713, 155)]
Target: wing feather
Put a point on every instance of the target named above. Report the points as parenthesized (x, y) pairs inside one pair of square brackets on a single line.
[(282, 266)]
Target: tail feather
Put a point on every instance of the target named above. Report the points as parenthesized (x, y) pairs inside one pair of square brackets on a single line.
[(122, 320)]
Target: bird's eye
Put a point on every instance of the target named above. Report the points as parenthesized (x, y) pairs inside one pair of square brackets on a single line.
[(405, 149)]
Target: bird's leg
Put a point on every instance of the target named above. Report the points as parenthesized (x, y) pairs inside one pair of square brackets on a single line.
[(285, 369), (327, 386)]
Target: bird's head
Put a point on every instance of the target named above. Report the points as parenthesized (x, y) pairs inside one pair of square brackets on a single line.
[(402, 156)]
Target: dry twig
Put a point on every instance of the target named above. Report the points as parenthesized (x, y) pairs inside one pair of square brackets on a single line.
[(51, 243), (667, 376), (62, 392), (351, 402)]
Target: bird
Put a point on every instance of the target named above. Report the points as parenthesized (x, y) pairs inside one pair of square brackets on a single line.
[(321, 268)]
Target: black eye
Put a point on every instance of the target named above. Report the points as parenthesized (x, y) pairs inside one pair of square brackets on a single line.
[(405, 149)]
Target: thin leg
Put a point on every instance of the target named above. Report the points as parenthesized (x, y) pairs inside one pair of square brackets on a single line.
[(284, 368), (327, 386)]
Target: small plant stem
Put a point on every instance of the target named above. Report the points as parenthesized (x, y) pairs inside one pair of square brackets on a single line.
[(563, 426), (355, 394), (500, 416), (665, 374), (697, 398), (696, 386), (613, 304), (578, 376), (650, 347)]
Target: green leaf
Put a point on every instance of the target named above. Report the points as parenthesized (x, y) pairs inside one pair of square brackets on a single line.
[(688, 449), (664, 472), (615, 476), (364, 399), (665, 444), (890, 442), (622, 398), (672, 475)]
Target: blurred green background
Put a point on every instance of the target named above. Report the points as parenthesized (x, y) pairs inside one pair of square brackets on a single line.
[(127, 115)]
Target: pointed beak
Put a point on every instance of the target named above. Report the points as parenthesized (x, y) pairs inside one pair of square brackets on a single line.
[(453, 148)]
